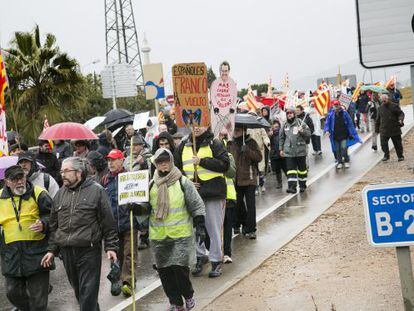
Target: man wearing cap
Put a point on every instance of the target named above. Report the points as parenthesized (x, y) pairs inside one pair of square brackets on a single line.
[(24, 221), (140, 155), (178, 137), (35, 175), (80, 219), (292, 144), (121, 214), (342, 133)]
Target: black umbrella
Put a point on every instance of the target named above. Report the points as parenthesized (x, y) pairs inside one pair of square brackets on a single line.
[(120, 122), (250, 121), (116, 114)]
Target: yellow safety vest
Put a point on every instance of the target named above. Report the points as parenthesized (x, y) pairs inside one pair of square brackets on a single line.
[(178, 223), (188, 166), (231, 190), (29, 213)]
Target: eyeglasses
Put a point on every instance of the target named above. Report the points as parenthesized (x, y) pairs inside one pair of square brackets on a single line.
[(66, 171)]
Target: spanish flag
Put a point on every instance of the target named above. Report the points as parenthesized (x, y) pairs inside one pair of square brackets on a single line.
[(322, 102)]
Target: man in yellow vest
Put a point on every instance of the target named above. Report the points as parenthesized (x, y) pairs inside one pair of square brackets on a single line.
[(206, 169), (24, 219)]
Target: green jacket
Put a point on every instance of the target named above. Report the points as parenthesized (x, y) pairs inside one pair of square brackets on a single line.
[(292, 141)]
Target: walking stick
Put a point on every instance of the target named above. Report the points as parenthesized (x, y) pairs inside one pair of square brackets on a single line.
[(131, 224)]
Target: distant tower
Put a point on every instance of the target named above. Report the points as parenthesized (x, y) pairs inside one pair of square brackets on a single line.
[(121, 36)]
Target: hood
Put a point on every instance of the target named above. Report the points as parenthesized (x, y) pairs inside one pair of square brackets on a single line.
[(163, 135)]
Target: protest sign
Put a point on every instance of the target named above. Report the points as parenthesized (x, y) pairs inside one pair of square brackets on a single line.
[(133, 187), (345, 100), (223, 106), (154, 81), (190, 94), (140, 120)]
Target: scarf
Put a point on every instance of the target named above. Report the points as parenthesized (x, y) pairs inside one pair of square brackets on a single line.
[(163, 199)]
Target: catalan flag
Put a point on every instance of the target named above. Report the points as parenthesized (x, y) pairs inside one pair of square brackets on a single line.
[(3, 85), (252, 103), (3, 82), (356, 92), (322, 102)]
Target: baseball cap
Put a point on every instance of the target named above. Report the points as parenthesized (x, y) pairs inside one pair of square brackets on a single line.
[(14, 172), (115, 154), (25, 156), (335, 102)]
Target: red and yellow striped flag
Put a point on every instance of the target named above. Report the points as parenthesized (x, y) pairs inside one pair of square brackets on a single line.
[(4, 148), (323, 102), (45, 126), (3, 82)]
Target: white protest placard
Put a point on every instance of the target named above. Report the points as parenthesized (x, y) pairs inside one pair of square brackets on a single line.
[(133, 187), (140, 120), (345, 99)]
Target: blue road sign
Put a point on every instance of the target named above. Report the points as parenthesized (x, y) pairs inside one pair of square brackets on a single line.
[(389, 214)]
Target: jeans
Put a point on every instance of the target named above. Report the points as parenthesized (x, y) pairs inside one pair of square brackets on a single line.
[(316, 142), (246, 212), (176, 283), (83, 268), (228, 226), (397, 142), (341, 150), (29, 293)]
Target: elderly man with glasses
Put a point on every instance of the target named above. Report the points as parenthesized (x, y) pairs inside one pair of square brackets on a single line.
[(80, 219)]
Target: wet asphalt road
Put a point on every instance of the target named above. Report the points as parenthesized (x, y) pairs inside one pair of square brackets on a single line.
[(274, 231)]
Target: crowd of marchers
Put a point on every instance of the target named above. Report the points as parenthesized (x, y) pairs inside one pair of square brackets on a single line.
[(61, 203)]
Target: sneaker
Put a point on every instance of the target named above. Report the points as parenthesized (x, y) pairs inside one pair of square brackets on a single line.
[(198, 268), (251, 235), (347, 165), (290, 190), (143, 244), (263, 189), (385, 158), (375, 148), (339, 166), (256, 192), (215, 270), (116, 289), (189, 304), (227, 259), (400, 159), (126, 290)]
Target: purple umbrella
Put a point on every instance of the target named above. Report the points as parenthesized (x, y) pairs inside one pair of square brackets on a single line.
[(7, 161)]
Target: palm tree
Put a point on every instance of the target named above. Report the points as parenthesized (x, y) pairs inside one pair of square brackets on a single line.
[(43, 81)]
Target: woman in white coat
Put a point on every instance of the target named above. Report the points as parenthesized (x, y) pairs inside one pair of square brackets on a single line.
[(317, 133)]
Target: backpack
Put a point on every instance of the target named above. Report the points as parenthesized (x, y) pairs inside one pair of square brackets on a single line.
[(46, 181)]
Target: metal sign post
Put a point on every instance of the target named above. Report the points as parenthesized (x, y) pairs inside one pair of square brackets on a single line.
[(389, 219)]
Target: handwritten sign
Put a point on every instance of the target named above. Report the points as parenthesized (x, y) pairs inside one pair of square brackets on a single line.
[(133, 187), (223, 106), (190, 94), (345, 100)]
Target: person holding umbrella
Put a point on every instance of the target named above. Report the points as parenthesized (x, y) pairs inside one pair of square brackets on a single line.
[(247, 156), (292, 140)]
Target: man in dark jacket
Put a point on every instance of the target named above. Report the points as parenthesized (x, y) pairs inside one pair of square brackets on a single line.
[(206, 169), (49, 160), (394, 94), (362, 110), (247, 156), (276, 160), (80, 219), (24, 220), (121, 214), (389, 121), (301, 115), (62, 150)]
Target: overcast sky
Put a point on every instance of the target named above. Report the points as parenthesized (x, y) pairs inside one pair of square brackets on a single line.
[(260, 38)]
